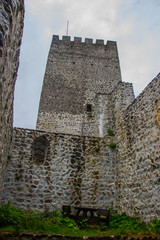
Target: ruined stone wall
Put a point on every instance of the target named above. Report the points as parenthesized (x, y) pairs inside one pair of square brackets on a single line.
[(138, 155), (76, 72), (11, 26), (110, 107), (47, 170)]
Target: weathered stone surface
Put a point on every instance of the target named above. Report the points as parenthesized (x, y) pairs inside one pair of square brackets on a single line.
[(138, 158), (75, 170), (82, 97), (85, 171), (11, 26), (77, 75)]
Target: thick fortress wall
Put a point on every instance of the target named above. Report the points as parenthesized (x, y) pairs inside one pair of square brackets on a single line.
[(138, 155), (11, 27), (48, 170), (76, 72)]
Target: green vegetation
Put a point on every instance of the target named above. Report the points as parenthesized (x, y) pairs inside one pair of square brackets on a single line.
[(97, 149), (112, 145), (110, 132), (127, 225), (14, 219)]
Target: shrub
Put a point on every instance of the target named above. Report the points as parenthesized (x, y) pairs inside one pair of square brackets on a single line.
[(110, 132), (34, 220), (11, 215), (154, 226), (112, 145), (125, 224)]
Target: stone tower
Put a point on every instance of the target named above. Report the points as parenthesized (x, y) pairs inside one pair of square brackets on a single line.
[(78, 75)]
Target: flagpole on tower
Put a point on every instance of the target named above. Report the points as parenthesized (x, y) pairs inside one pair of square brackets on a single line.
[(67, 28)]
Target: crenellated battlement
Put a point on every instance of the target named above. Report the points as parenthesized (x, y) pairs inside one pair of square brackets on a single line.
[(67, 39)]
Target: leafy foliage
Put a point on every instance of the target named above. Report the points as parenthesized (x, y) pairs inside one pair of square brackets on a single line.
[(83, 223), (125, 224), (112, 145), (34, 220), (154, 227), (14, 218), (110, 132), (11, 215)]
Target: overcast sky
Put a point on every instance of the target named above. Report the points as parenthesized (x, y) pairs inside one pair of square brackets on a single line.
[(134, 24)]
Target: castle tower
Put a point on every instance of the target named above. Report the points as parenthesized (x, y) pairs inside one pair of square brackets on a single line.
[(77, 75)]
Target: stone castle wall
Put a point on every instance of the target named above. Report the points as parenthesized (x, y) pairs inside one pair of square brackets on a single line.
[(138, 155), (108, 106), (47, 170), (82, 97), (76, 72), (11, 27)]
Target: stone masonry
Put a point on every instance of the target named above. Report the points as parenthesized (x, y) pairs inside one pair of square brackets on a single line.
[(69, 169), (70, 158), (47, 170), (76, 74), (11, 26), (138, 155)]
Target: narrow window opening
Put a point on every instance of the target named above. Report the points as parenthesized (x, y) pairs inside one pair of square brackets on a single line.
[(40, 147), (89, 108)]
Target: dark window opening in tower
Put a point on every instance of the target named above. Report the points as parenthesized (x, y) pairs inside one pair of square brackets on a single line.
[(89, 108)]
